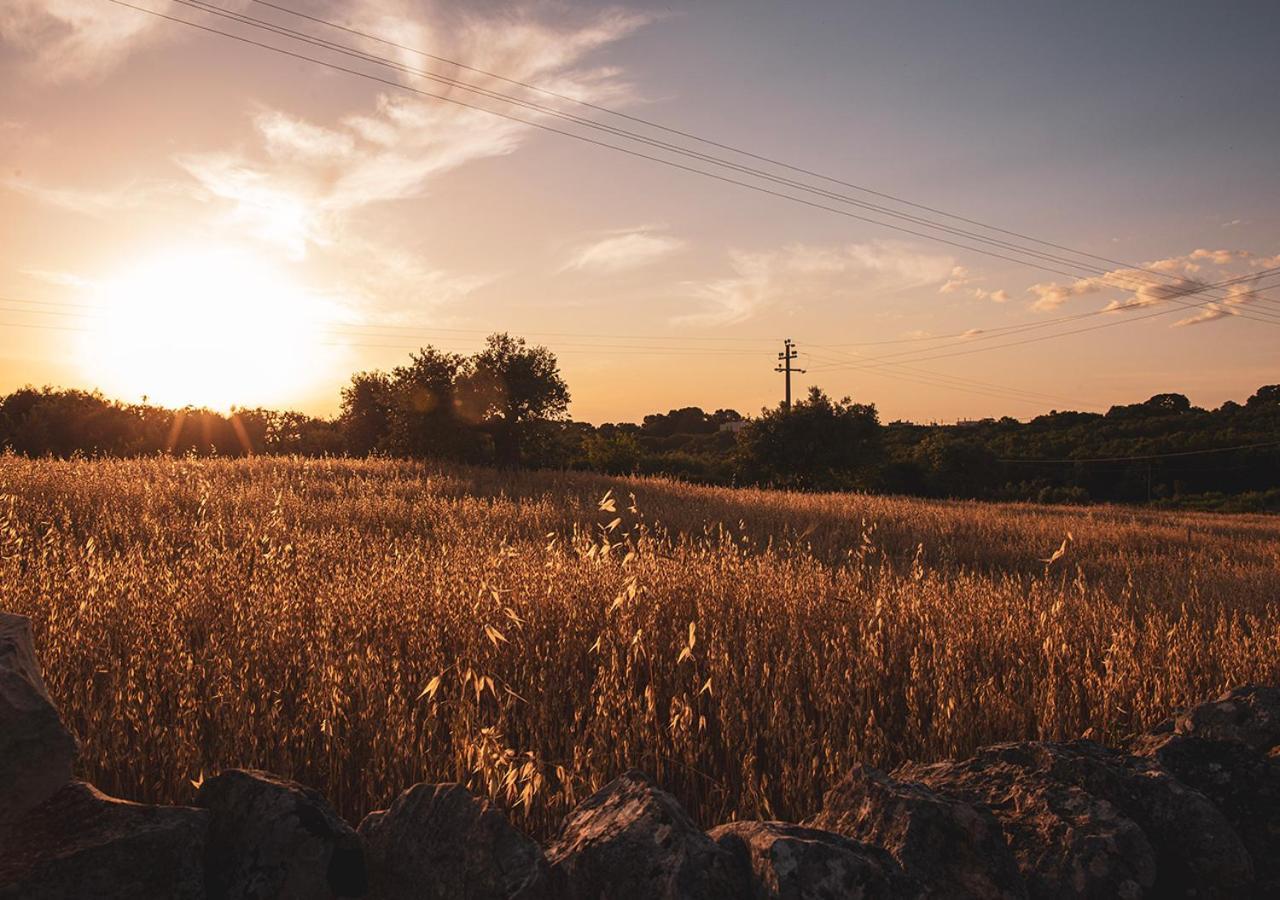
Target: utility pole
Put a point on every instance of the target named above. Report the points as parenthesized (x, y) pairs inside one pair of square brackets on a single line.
[(788, 353)]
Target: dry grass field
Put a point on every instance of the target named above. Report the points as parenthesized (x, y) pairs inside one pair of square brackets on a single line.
[(363, 625)]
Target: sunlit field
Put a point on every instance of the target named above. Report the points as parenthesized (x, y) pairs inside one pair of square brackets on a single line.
[(360, 626)]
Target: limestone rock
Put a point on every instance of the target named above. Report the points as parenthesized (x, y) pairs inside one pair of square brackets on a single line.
[(1249, 714), (791, 862), (950, 847), (36, 751), (81, 843), (1085, 821), (1243, 783), (631, 839), (273, 838), (438, 841)]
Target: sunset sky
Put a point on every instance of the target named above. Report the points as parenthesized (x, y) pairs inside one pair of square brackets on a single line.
[(202, 221)]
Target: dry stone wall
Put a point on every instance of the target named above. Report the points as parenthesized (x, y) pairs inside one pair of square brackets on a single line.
[(1190, 809)]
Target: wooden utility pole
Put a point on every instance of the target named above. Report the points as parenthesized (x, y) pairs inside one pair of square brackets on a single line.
[(788, 353)]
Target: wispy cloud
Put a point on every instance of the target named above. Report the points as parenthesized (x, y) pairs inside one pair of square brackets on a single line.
[(288, 138), (621, 252), (303, 172), (61, 279), (263, 206), (97, 202), (64, 40), (802, 273)]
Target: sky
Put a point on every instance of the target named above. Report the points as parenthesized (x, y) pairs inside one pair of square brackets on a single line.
[(194, 219)]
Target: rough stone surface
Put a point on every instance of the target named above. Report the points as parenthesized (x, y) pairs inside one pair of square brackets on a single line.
[(81, 843), (440, 842), (273, 838), (950, 847), (630, 839), (1085, 821), (1240, 781), (791, 862), (36, 751), (1249, 714)]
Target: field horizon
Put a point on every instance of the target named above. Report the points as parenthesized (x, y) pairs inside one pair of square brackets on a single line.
[(360, 625)]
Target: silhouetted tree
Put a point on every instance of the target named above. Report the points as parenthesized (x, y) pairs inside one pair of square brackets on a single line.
[(425, 416), (365, 419), (818, 444), (617, 454), (511, 390)]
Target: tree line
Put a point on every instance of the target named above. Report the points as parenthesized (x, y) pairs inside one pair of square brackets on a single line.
[(507, 404)]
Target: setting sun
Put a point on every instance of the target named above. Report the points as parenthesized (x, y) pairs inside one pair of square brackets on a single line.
[(203, 328)]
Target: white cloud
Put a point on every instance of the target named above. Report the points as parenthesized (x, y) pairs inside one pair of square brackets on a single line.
[(803, 273), (620, 252), (61, 279), (290, 138), (1051, 295), (261, 206), (1238, 295), (961, 280), (70, 39), (396, 284), (957, 281), (1220, 257), (307, 173), (89, 201), (1143, 290)]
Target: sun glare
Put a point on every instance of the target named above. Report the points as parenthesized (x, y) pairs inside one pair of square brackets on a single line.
[(212, 328)]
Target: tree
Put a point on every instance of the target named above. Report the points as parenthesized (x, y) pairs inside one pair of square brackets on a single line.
[(365, 419), (617, 454), (425, 419), (511, 389), (819, 444), (956, 466), (1265, 396)]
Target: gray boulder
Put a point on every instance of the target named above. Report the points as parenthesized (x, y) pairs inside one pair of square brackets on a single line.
[(790, 862), (440, 842), (1241, 782), (631, 839), (950, 847), (81, 843), (1085, 821), (273, 838), (36, 751), (1249, 714)]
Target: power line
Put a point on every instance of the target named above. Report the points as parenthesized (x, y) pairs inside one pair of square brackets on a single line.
[(956, 382), (1197, 288), (992, 391), (714, 160), (868, 362), (686, 134), (971, 334), (352, 52)]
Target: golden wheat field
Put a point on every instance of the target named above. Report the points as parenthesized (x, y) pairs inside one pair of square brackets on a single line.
[(362, 625)]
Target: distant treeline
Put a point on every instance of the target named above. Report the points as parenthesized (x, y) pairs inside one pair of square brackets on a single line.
[(506, 405)]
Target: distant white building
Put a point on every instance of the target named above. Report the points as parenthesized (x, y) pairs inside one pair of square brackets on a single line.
[(733, 427)]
